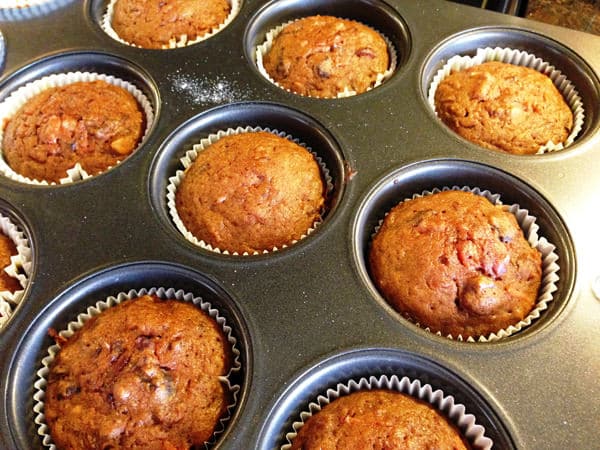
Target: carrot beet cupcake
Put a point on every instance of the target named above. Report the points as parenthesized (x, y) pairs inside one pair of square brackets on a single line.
[(382, 413), (148, 373), (8, 250), (9, 284), (378, 419), (457, 264), (248, 192), (326, 57), (15, 266), (169, 23), (504, 102), (70, 126)]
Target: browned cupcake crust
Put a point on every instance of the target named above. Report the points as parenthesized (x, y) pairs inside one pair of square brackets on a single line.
[(456, 263), (321, 56), (7, 250), (378, 419), (141, 375), (153, 24), (251, 192), (504, 107), (93, 123)]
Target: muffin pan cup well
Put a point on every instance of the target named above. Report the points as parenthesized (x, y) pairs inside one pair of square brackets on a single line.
[(574, 78), (180, 149), (306, 317), (273, 17), (550, 268), (454, 412), (190, 157), (360, 368), (176, 41), (425, 177), (21, 96), (524, 59), (97, 309), (91, 295), (21, 264)]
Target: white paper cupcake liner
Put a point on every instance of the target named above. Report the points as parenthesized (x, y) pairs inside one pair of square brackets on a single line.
[(23, 94), (169, 293), (550, 268), (175, 42), (5, 312), (265, 47), (20, 267), (519, 58), (455, 412), (191, 155)]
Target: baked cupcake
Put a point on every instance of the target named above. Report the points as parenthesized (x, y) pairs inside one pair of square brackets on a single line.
[(146, 373), (162, 24), (8, 283), (324, 56), (504, 107), (379, 419), (251, 192), (456, 264), (15, 266), (95, 124), (8, 249)]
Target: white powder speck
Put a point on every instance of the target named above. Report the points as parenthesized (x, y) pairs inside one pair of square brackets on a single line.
[(206, 90)]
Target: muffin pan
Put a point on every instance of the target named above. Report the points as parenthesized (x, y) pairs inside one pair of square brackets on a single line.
[(307, 317)]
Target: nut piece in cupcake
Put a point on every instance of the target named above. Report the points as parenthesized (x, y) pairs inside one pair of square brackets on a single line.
[(161, 24), (456, 263), (378, 419), (93, 123), (145, 374), (323, 56), (251, 192), (504, 107)]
